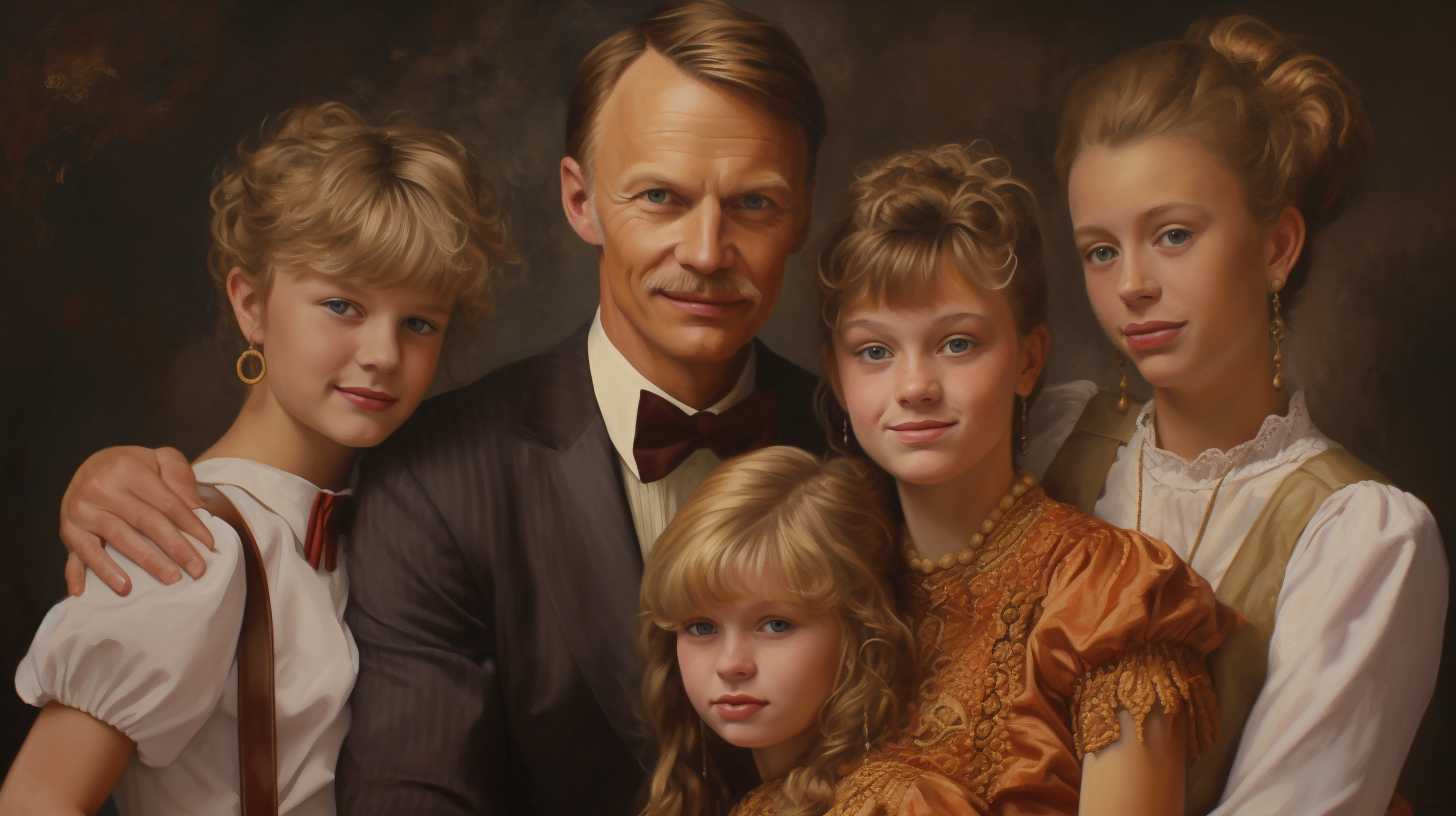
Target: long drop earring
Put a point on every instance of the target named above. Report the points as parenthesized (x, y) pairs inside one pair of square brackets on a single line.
[(1276, 330), (1023, 425), (1122, 402), (703, 746), (846, 434)]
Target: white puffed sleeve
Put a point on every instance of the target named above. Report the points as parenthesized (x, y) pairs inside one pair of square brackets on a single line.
[(1053, 416), (1352, 660), (152, 664)]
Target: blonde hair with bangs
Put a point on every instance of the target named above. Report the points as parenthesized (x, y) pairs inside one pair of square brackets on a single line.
[(823, 528), (329, 192)]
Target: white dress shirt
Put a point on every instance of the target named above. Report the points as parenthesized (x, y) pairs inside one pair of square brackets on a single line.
[(160, 664), (618, 388), (1358, 630)]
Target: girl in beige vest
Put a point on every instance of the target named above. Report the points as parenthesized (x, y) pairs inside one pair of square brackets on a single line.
[(1198, 173)]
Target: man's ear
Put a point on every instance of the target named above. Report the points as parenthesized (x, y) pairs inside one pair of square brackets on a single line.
[(1286, 243), (804, 228), (576, 201), (247, 300), (1035, 348)]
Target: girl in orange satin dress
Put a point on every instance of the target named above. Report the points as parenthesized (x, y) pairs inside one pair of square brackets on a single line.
[(1061, 659)]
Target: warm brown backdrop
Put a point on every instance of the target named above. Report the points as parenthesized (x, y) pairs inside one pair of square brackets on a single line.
[(114, 115)]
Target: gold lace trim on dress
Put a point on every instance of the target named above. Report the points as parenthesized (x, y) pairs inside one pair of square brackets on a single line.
[(1170, 675)]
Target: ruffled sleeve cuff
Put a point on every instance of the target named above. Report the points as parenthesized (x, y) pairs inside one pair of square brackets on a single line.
[(1172, 675)]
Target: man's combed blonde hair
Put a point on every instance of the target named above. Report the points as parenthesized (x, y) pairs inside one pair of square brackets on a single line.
[(824, 530), (327, 191)]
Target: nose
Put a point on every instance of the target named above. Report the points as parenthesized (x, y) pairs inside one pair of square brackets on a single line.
[(378, 349), (735, 663), (703, 248), (918, 384), (1136, 288)]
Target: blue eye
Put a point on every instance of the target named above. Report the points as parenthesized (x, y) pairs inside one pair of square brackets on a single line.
[(778, 627), (1102, 254), (419, 325), (754, 202), (958, 345), (656, 196), (699, 629), (876, 353), (338, 307), (1176, 237)]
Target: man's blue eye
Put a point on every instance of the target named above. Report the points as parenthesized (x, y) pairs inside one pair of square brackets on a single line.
[(657, 196), (876, 353), (1103, 254), (699, 629), (958, 345), (338, 307), (754, 202), (778, 627), (1176, 237)]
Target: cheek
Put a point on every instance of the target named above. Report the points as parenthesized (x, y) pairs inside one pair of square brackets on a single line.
[(695, 666)]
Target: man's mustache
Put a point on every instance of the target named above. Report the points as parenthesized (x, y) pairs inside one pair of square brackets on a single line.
[(720, 284)]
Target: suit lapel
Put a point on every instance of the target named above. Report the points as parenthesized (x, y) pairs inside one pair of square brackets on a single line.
[(574, 514)]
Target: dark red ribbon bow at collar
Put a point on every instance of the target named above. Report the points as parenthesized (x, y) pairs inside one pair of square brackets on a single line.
[(666, 435), (321, 545)]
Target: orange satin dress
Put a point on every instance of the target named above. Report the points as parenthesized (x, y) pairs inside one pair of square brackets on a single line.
[(1027, 654)]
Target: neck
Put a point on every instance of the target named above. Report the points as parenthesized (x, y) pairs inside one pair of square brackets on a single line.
[(1220, 412), (264, 432), (941, 518), (696, 383), (775, 761)]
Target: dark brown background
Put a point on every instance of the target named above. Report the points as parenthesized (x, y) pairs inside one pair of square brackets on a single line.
[(115, 114)]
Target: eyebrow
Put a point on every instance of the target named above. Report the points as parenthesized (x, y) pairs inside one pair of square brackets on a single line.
[(867, 323), (773, 183), (1161, 209)]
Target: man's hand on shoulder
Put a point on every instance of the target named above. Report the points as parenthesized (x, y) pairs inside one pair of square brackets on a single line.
[(124, 496)]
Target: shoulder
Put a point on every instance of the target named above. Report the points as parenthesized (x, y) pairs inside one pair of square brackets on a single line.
[(1053, 415), (1361, 520), (794, 389)]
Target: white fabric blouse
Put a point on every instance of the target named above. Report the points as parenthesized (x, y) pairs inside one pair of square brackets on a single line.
[(1358, 633), (618, 387), (159, 664)]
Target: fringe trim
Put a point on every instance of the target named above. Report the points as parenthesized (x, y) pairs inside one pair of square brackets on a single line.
[(1172, 675)]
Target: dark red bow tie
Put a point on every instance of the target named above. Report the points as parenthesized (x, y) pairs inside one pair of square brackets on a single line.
[(321, 545), (666, 436)]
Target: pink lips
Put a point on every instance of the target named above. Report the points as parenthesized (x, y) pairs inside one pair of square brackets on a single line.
[(1150, 335), (368, 399), (925, 430), (738, 706), (702, 305)]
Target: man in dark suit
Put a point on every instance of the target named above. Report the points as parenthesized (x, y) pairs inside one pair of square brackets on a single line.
[(500, 536)]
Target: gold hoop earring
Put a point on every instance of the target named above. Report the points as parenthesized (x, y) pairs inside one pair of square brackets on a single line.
[(1276, 330), (262, 365), (1023, 425), (1122, 402)]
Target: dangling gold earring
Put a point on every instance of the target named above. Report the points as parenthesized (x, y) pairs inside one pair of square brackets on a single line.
[(867, 728), (703, 740), (846, 434), (1122, 402), (1276, 329), (262, 365), (1023, 425)]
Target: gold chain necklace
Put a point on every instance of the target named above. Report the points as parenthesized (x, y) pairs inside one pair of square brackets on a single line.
[(1202, 525), (1023, 482)]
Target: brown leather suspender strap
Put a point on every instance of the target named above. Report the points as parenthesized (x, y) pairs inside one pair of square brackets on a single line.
[(257, 727)]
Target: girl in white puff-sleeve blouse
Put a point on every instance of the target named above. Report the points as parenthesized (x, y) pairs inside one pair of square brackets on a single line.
[(343, 250)]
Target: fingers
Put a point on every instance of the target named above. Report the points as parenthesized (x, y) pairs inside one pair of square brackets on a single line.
[(177, 475), (75, 575), (92, 554), (142, 517)]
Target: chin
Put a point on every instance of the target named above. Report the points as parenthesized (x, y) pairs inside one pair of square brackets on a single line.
[(703, 344), (923, 468)]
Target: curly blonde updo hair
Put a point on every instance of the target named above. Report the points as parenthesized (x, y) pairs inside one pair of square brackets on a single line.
[(823, 529), (1287, 121), (903, 216), (326, 191)]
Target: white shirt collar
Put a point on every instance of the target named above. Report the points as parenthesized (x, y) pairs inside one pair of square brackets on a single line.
[(290, 497), (618, 386), (1278, 439)]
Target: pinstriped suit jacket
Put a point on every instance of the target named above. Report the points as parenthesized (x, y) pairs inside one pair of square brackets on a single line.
[(494, 574)]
